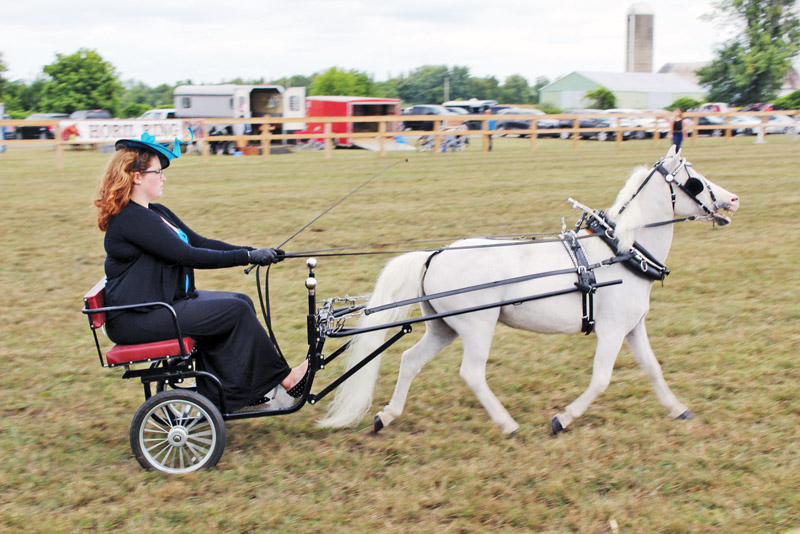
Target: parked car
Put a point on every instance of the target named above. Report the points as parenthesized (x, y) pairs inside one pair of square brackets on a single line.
[(708, 123), (745, 124), (40, 132), (714, 106), (781, 124), (593, 118), (495, 110), (759, 106), (507, 121), (430, 109), (653, 126), (472, 107), (158, 114), (83, 114)]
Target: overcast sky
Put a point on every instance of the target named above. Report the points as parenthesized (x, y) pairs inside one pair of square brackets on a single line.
[(211, 41)]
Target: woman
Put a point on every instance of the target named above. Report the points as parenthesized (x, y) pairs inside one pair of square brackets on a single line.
[(677, 129), (151, 256)]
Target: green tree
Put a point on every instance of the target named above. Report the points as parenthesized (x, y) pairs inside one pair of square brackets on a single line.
[(3, 69), (336, 81), (752, 65), (541, 81), (790, 101), (133, 109), (486, 88), (388, 89), (685, 103), (460, 83), (425, 85), (82, 80), (602, 98), (515, 90)]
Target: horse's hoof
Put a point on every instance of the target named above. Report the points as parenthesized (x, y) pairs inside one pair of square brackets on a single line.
[(377, 424), (688, 414), (556, 425)]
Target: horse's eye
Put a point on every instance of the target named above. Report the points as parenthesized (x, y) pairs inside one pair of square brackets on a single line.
[(694, 186)]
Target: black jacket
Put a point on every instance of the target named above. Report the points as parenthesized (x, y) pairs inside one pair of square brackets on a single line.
[(146, 260)]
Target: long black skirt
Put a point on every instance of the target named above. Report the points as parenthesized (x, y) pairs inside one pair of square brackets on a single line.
[(231, 343)]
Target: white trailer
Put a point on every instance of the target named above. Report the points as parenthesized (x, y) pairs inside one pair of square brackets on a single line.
[(241, 101)]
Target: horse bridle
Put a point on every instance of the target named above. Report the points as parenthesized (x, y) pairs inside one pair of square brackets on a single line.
[(692, 188)]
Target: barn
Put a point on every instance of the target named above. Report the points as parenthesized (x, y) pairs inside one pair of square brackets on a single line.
[(636, 90)]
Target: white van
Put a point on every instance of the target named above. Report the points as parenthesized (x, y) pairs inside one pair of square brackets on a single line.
[(158, 114)]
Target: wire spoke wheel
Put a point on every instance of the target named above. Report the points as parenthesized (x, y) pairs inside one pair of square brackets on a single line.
[(177, 432)]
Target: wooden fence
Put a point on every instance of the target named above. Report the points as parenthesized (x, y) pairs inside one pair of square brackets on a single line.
[(388, 127)]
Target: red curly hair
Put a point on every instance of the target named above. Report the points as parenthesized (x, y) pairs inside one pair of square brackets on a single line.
[(116, 186)]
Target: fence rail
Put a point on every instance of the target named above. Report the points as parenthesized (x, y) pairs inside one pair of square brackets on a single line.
[(389, 127)]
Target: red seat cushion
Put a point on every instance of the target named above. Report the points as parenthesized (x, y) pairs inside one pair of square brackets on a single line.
[(147, 351)]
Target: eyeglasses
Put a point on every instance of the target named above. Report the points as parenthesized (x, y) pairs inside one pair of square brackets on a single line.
[(159, 172)]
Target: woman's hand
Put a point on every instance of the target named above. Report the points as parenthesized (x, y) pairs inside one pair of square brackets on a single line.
[(265, 256)]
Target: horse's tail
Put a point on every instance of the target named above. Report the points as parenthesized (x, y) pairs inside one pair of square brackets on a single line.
[(401, 279)]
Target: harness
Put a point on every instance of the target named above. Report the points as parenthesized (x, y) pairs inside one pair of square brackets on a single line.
[(637, 259), (587, 282)]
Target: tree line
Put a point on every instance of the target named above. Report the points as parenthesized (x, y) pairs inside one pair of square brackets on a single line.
[(84, 80)]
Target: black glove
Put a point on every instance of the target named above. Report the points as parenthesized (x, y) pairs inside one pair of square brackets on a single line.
[(265, 256)]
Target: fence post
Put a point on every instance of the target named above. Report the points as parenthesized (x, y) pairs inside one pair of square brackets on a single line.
[(328, 140), (382, 137), (437, 136), (656, 132), (760, 137), (575, 132), (59, 148), (266, 141), (204, 144), (728, 129)]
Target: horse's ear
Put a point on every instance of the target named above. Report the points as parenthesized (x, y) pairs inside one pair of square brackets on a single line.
[(671, 152)]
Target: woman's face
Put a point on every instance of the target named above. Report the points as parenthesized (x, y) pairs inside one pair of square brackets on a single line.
[(151, 181)]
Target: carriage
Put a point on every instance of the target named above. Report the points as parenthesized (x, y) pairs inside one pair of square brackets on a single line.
[(595, 277)]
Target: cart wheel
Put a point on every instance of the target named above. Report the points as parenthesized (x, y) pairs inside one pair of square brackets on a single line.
[(177, 432)]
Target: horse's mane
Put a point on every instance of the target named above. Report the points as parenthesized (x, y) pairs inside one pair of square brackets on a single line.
[(630, 218)]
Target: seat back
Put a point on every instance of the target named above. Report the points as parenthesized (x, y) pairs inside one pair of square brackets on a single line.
[(94, 299)]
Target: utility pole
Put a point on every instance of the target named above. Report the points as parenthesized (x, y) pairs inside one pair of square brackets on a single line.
[(447, 88)]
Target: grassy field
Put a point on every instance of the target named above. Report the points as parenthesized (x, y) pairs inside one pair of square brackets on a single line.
[(726, 327)]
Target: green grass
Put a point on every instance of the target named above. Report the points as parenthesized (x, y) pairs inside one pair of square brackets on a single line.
[(725, 328)]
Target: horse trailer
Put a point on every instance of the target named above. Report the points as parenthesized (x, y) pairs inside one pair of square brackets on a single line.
[(350, 106)]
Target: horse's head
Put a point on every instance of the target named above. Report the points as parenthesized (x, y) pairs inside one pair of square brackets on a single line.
[(694, 194)]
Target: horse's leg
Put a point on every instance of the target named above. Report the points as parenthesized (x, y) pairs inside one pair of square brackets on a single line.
[(437, 336), (477, 339), (608, 345), (640, 346)]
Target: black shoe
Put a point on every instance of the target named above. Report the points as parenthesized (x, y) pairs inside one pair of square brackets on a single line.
[(297, 390)]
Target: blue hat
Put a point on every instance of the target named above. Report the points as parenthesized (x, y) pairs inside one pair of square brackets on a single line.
[(148, 142)]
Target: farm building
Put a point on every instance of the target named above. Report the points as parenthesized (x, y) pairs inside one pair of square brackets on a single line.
[(637, 90)]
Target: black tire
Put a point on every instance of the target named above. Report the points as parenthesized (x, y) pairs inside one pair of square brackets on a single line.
[(639, 134), (716, 133), (177, 432), (603, 136)]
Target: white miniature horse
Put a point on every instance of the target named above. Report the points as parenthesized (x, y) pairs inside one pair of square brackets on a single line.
[(619, 310)]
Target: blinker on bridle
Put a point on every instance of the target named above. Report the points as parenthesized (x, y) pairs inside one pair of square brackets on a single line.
[(693, 187)]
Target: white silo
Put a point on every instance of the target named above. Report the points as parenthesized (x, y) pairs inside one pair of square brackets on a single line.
[(639, 49)]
